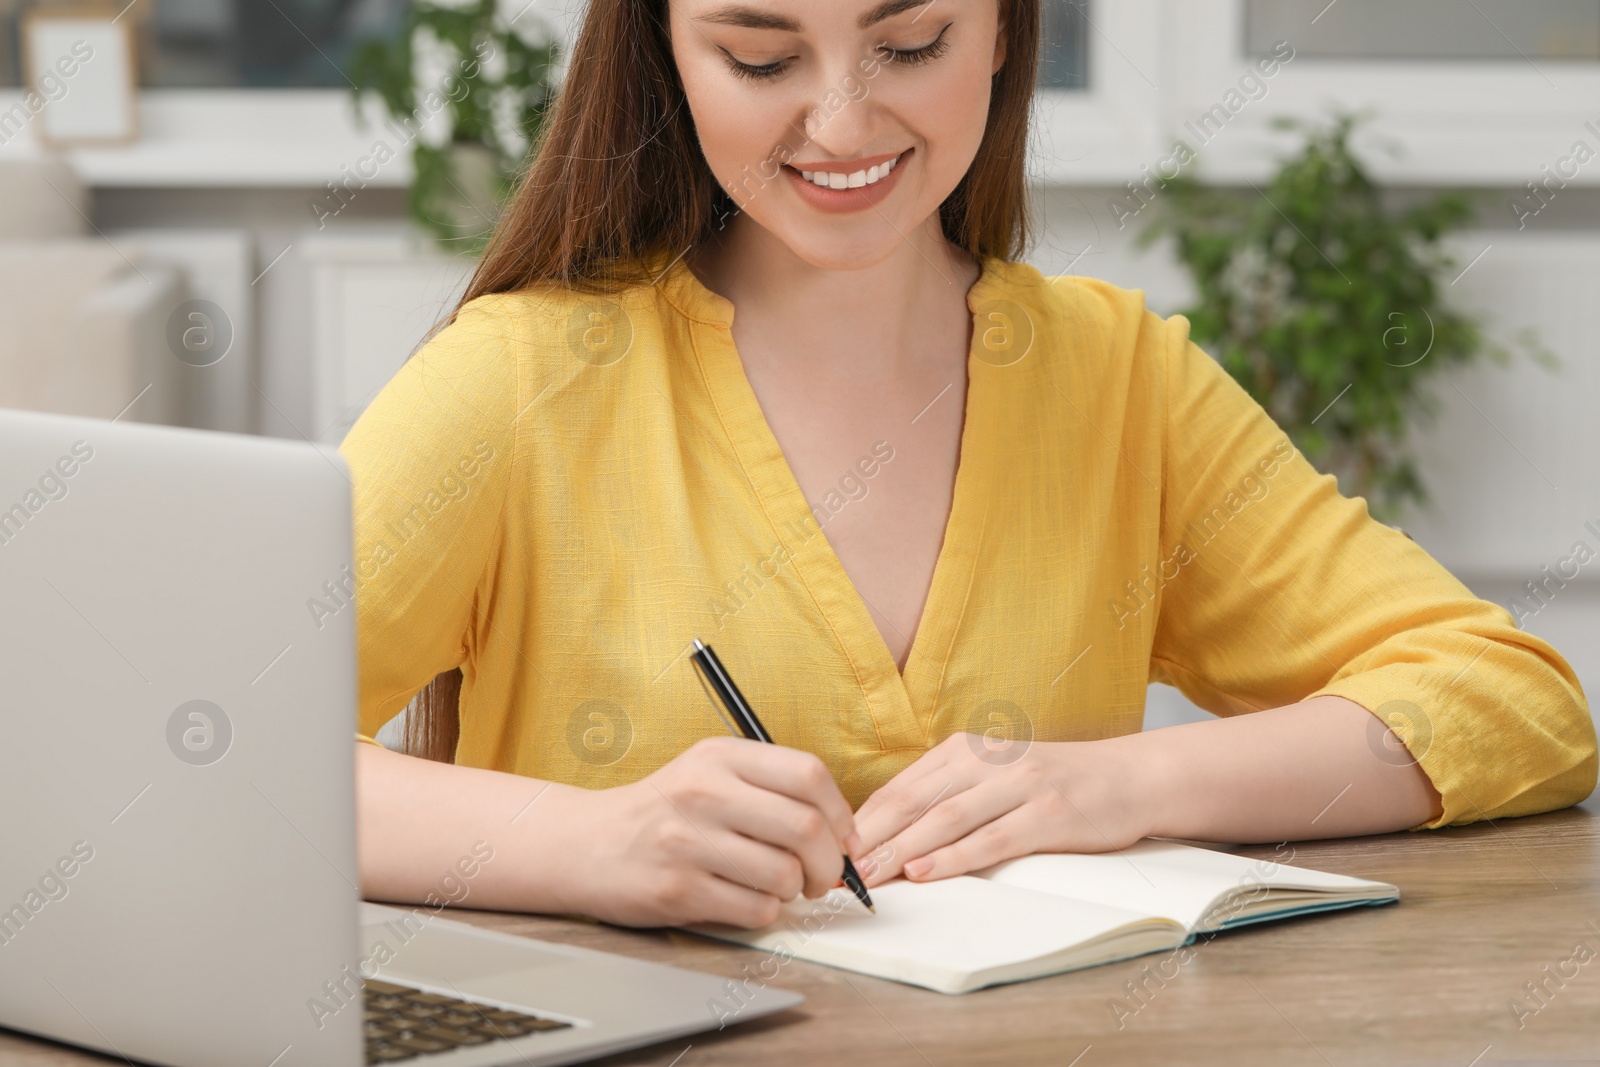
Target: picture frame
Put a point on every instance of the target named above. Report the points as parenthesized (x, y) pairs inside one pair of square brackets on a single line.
[(79, 67)]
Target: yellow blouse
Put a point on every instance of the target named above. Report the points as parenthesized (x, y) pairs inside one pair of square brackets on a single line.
[(560, 492)]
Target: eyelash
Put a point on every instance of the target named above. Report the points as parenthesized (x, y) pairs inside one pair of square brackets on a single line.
[(909, 57)]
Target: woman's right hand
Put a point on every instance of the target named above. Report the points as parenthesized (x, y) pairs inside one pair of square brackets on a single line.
[(726, 832)]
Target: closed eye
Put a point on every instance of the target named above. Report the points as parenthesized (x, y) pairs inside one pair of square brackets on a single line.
[(913, 57), (754, 73)]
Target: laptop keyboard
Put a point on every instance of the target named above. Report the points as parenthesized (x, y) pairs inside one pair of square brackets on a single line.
[(403, 1023)]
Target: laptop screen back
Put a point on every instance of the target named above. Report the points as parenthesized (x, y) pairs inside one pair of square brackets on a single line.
[(177, 642)]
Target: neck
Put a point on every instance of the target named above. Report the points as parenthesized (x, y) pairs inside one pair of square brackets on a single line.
[(873, 320)]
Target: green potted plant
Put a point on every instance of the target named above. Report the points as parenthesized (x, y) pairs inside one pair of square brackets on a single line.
[(468, 87), (1328, 306)]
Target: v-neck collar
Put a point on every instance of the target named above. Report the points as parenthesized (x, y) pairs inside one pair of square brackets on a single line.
[(902, 706)]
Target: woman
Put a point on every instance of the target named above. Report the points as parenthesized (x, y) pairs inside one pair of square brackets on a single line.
[(1034, 498)]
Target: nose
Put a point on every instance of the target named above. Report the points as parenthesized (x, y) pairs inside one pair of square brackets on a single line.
[(839, 118)]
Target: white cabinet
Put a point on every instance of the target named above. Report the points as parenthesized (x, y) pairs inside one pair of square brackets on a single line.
[(215, 328), (375, 297)]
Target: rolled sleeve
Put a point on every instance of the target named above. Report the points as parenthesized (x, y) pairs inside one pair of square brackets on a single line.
[(1287, 590)]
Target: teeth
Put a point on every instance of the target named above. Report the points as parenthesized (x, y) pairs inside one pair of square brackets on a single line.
[(860, 179)]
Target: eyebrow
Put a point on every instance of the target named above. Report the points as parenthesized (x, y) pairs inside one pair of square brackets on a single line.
[(751, 19)]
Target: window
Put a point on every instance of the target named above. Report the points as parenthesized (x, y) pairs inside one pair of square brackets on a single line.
[(234, 43), (1064, 44), (1097, 114), (1427, 29), (1479, 93)]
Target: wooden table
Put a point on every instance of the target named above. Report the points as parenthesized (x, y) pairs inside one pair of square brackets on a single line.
[(1484, 909)]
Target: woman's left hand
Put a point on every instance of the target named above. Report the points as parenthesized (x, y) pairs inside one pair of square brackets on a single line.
[(968, 804)]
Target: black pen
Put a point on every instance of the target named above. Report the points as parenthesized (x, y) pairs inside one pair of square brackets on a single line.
[(743, 718)]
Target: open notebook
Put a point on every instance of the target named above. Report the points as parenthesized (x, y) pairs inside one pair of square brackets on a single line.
[(1044, 914)]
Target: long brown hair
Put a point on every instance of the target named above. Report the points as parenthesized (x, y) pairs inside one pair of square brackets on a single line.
[(617, 175)]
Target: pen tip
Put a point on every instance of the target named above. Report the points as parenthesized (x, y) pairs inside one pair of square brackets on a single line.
[(872, 909)]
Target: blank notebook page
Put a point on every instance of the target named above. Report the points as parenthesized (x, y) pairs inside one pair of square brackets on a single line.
[(1158, 878), (953, 925)]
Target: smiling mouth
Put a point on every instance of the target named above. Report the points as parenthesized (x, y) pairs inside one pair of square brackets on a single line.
[(861, 179)]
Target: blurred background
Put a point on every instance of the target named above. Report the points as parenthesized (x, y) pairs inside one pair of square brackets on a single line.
[(206, 186)]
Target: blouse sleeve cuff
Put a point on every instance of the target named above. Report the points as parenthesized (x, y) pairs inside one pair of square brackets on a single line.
[(1464, 752), (1404, 708)]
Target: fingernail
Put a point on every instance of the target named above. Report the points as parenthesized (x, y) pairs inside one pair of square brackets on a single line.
[(918, 867), (852, 843)]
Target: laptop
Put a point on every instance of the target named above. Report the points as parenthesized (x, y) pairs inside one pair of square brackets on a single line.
[(178, 879)]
